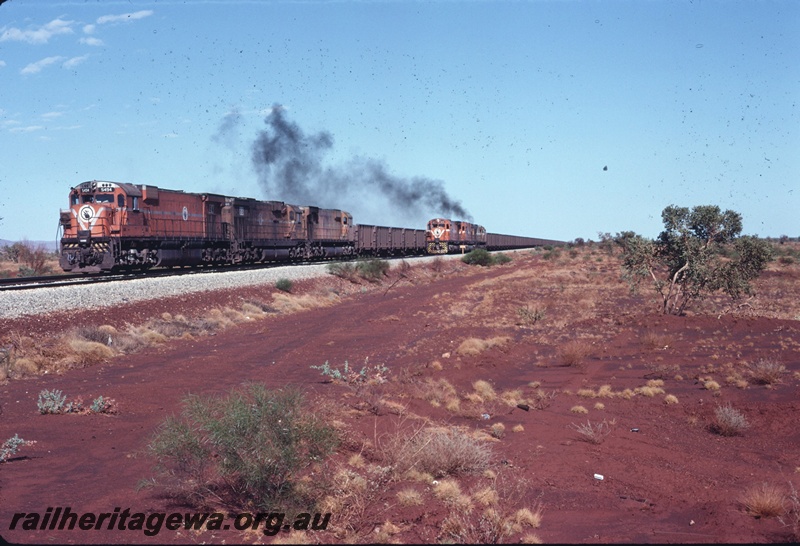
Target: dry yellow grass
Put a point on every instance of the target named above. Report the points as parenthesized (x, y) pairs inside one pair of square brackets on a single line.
[(486, 496), (512, 397), (574, 352), (409, 497), (473, 346), (447, 490), (579, 409), (711, 385), (764, 500), (90, 352), (670, 399), (528, 517), (648, 391), (498, 430), (436, 391), (485, 390), (288, 303)]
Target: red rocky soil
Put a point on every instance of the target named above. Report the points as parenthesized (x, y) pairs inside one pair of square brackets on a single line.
[(666, 476)]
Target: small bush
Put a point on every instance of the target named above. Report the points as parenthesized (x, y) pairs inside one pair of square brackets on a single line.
[(103, 404), (437, 264), (498, 430), (766, 371), (51, 402), (531, 316), (765, 501), (479, 256), (593, 433), (343, 270), (246, 449), (438, 452), (574, 352), (729, 421), (9, 447), (284, 285), (55, 402), (351, 376), (373, 270)]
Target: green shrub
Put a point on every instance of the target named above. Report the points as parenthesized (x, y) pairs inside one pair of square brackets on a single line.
[(479, 256), (51, 401), (247, 448), (55, 402), (284, 285), (367, 374), (343, 270), (373, 270), (10, 447)]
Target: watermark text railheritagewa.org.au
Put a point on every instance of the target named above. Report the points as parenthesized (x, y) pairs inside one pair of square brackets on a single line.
[(63, 518)]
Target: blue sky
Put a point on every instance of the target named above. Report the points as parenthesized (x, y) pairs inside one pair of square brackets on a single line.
[(512, 109)]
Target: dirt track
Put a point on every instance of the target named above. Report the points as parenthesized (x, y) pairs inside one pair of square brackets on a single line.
[(671, 481)]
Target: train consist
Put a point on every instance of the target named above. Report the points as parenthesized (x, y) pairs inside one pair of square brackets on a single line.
[(117, 226)]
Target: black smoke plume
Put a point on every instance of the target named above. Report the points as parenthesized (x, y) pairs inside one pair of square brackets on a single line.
[(290, 167)]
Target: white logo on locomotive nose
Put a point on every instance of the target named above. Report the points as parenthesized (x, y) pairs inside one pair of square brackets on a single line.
[(437, 232), (86, 213)]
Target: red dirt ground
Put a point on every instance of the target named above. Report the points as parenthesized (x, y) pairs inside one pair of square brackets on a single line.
[(672, 481)]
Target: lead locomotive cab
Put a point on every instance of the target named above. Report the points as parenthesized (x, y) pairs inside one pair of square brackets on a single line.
[(92, 223)]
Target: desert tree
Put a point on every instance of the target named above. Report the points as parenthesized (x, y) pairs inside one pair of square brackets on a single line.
[(699, 252)]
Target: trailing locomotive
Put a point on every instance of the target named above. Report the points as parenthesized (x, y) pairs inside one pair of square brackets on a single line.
[(116, 226), (445, 236)]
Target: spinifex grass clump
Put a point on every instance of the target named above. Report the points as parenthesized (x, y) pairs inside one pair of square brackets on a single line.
[(248, 448)]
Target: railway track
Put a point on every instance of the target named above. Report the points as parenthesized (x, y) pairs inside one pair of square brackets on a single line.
[(75, 279)]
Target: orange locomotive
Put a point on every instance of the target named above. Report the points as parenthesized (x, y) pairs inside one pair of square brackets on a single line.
[(445, 236), (112, 225)]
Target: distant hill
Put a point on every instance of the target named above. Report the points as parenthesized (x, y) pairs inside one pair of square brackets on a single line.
[(49, 245)]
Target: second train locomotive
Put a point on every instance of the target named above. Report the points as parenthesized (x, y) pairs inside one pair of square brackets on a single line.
[(113, 225)]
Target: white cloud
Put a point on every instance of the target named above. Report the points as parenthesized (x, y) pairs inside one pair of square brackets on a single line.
[(91, 41), (52, 115), (28, 129), (38, 35), (38, 66), (2, 64), (88, 29), (74, 61), (124, 17)]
